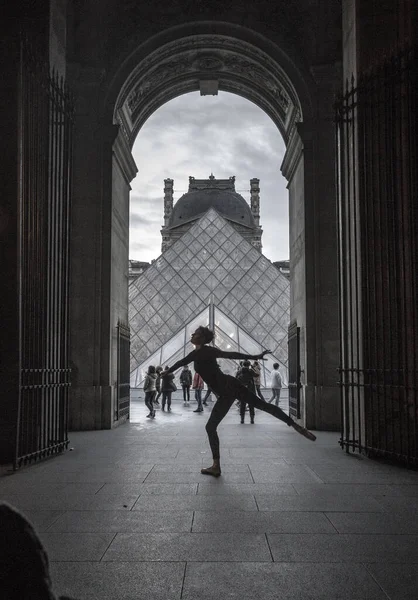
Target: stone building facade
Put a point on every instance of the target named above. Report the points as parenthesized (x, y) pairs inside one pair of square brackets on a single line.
[(214, 193)]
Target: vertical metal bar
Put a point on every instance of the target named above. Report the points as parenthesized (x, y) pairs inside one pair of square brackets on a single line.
[(357, 273), (406, 276)]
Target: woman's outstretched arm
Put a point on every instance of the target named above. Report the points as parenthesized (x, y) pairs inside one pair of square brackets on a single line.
[(260, 356), (183, 361)]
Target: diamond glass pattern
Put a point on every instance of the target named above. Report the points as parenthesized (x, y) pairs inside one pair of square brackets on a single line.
[(132, 292), (149, 292), (173, 346), (211, 261)]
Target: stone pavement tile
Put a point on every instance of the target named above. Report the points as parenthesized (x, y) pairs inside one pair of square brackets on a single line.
[(76, 546), (90, 475), (283, 475), (314, 502), (188, 546), (374, 523), (83, 487), (244, 488), (202, 502), (16, 485), (115, 521), (400, 582), (261, 522), (254, 462), (279, 581), (181, 467), (406, 490), (147, 488), (42, 519), (364, 475), (74, 501), (399, 504), (186, 464), (346, 489), (196, 477), (344, 548), (118, 581), (271, 452)]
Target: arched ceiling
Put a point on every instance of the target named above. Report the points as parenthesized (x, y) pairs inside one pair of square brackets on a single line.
[(180, 66)]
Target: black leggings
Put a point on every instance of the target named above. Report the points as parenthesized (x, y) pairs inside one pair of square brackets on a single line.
[(186, 393), (166, 397), (232, 389)]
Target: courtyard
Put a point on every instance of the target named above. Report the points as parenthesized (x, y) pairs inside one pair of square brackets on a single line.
[(126, 514)]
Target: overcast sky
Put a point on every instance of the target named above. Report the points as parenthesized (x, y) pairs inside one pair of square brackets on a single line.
[(196, 135)]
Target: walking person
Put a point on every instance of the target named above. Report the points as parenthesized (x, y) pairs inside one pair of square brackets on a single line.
[(226, 388), (158, 370), (198, 387), (186, 382), (150, 390), (256, 367), (167, 388), (276, 384), (246, 377)]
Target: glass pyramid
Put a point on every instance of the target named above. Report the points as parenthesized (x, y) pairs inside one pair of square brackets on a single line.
[(210, 276)]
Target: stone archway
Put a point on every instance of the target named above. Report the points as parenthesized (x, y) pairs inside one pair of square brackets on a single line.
[(211, 56)]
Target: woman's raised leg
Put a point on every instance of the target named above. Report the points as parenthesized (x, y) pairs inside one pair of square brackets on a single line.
[(243, 393)]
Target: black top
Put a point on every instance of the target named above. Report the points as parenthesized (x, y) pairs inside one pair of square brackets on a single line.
[(205, 364)]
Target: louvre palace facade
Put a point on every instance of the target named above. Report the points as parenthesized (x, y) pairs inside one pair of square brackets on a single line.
[(211, 272)]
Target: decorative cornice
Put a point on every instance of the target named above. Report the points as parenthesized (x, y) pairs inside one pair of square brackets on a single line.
[(292, 155), (124, 157), (178, 67)]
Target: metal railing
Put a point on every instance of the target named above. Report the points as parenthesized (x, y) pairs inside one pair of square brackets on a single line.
[(45, 134), (377, 225), (294, 384), (122, 403)]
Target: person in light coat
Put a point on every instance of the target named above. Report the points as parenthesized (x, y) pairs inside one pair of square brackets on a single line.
[(276, 384)]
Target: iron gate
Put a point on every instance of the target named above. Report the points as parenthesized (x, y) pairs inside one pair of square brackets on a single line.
[(45, 137), (122, 404), (294, 370), (377, 223)]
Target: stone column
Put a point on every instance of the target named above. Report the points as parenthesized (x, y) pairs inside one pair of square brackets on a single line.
[(9, 235), (309, 166), (91, 256)]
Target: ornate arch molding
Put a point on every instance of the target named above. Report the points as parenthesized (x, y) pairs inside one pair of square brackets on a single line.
[(180, 65)]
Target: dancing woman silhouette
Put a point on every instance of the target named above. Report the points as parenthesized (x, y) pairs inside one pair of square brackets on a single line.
[(227, 389)]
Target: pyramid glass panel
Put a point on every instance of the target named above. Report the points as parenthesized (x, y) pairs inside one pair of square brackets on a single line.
[(211, 263), (227, 326), (224, 341)]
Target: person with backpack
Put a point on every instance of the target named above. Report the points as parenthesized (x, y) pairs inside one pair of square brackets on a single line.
[(150, 390), (186, 382), (167, 388), (246, 377)]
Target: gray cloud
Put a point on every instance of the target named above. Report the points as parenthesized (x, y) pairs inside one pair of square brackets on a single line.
[(191, 135)]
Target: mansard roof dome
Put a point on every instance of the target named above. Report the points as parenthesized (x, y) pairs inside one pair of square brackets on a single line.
[(214, 193)]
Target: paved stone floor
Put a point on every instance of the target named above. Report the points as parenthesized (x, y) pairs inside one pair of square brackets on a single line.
[(126, 514)]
